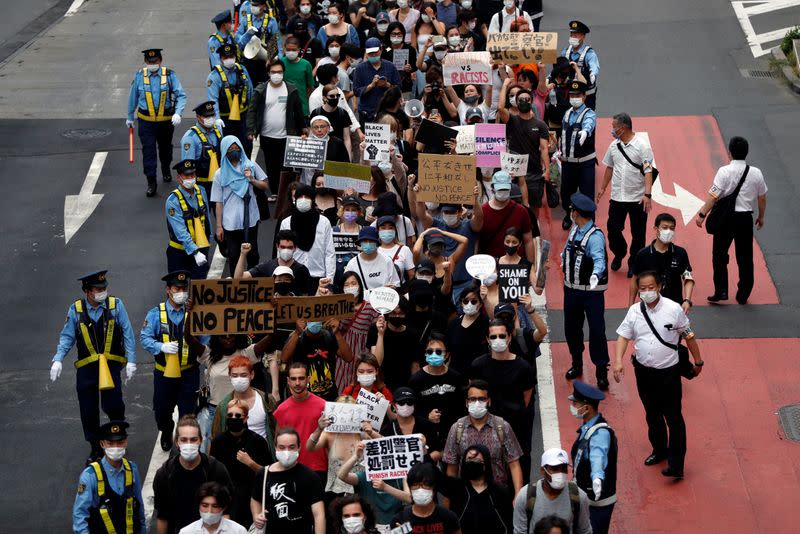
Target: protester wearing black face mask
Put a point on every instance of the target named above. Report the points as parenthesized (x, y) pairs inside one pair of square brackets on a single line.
[(396, 346), (310, 47), (423, 318), (243, 452)]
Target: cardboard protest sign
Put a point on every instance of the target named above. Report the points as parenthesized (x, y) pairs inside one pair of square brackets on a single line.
[(376, 408), (340, 176), (338, 306), (521, 48), (467, 67), (400, 58), (514, 164), (345, 243), (376, 141), (465, 140), (383, 299), (446, 179), (392, 457), (541, 271), (513, 281), (345, 417), (232, 306), (480, 265), (305, 153), (490, 142), (433, 135)]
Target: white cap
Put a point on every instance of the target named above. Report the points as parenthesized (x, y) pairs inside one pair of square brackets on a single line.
[(282, 269), (554, 457)]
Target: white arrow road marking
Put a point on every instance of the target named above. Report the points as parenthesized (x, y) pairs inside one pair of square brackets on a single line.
[(78, 208), (76, 5)]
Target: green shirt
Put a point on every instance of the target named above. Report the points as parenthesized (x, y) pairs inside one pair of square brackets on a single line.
[(299, 74), (385, 506)]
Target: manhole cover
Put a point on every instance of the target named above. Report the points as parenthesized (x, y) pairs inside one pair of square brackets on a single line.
[(86, 133), (754, 73), (790, 421)]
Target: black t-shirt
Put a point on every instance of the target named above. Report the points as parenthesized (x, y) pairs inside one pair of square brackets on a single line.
[(405, 77), (441, 521), (508, 380), (423, 323), (301, 274), (523, 138), (319, 355), (290, 495), (443, 392), (400, 350), (337, 151), (670, 265), (311, 51), (466, 344), (340, 120)]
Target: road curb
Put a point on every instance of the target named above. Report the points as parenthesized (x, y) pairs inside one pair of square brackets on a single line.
[(788, 72)]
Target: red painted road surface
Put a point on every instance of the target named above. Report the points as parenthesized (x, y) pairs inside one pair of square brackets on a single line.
[(742, 475), (688, 151)]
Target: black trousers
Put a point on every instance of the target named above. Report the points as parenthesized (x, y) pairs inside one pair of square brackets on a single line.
[(171, 392), (91, 399), (660, 392), (273, 150), (740, 233), (576, 177), (234, 240), (156, 140), (617, 212), (590, 304)]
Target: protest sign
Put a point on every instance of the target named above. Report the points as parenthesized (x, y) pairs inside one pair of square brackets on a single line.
[(446, 179), (433, 135), (467, 67), (513, 281), (232, 306), (514, 164), (465, 140), (541, 271), (340, 176), (490, 141), (337, 306), (400, 58), (376, 408), (523, 47), (480, 265), (392, 457), (376, 141), (345, 243), (344, 416), (383, 299), (305, 153)]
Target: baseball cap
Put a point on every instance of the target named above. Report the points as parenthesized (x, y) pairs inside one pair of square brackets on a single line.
[(373, 45), (282, 269), (555, 457), (501, 180)]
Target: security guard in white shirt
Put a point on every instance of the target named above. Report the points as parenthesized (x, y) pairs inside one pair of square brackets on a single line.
[(656, 326), (739, 229)]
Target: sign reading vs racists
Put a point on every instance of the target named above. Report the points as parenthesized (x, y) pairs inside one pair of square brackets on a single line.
[(463, 68), (520, 48), (290, 309), (232, 306)]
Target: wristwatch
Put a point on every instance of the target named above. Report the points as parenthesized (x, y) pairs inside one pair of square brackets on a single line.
[(701, 215), (648, 195), (701, 363), (689, 301)]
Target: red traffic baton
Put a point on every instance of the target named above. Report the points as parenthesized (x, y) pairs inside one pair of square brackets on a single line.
[(130, 145)]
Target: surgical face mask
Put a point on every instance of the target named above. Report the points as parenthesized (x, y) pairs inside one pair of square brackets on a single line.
[(303, 204), (471, 100), (189, 183), (450, 219), (498, 345), (576, 102), (229, 62), (287, 458), (208, 122), (314, 327), (383, 27), (240, 383), (477, 409), (333, 19), (152, 68), (189, 451), (557, 480), (614, 133), (508, 4), (502, 195), (305, 10), (440, 54), (291, 55), (366, 380), (374, 59), (286, 254), (333, 52), (276, 78), (471, 26), (665, 236), (575, 413), (422, 497), (256, 11), (353, 525), (369, 247), (648, 296), (454, 40), (235, 156), (350, 216), (436, 360), (211, 518), (470, 309), (426, 19), (574, 41), (101, 296), (490, 279), (427, 278), (387, 236), (405, 410), (385, 167), (402, 4), (115, 453), (396, 40), (430, 206), (512, 101), (351, 290), (466, 4), (180, 297)]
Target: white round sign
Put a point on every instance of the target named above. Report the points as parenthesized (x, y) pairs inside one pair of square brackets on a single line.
[(481, 265), (383, 299)]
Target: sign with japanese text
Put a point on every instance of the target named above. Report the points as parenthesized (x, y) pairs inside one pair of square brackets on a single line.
[(305, 153), (345, 243), (392, 457), (523, 47), (447, 179), (514, 164), (232, 306)]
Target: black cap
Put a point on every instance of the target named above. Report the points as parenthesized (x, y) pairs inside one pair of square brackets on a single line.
[(450, 207), (583, 392), (114, 431), (95, 279), (226, 50), (425, 265), (578, 26), (434, 238), (386, 219), (350, 201), (504, 307), (221, 18), (419, 288), (184, 166), (577, 87), (177, 278), (206, 109), (561, 64), (404, 394), (152, 54), (299, 25)]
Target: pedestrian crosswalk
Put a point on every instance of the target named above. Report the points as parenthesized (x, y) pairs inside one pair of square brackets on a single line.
[(750, 13)]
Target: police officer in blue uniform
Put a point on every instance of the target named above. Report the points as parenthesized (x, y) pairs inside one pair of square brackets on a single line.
[(594, 455), (585, 266), (578, 156), (585, 57), (157, 99), (109, 497), (98, 325), (223, 35), (260, 23), (162, 335), (201, 144), (229, 85), (188, 224)]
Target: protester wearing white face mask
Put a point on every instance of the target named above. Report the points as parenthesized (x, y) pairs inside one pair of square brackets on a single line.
[(501, 21), (368, 378), (213, 501), (424, 515), (552, 495), (407, 16), (260, 405), (188, 223)]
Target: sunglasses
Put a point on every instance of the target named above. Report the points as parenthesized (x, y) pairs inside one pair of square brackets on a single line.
[(235, 416), (404, 403), (498, 336), (470, 301), (438, 352)]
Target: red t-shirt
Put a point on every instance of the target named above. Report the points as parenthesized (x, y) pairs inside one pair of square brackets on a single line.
[(303, 416), (495, 224), (353, 390)]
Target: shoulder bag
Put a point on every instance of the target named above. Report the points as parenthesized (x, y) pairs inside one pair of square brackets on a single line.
[(721, 214), (640, 167)]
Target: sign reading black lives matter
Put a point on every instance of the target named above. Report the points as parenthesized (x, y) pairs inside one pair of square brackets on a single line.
[(513, 282), (305, 153), (232, 307)]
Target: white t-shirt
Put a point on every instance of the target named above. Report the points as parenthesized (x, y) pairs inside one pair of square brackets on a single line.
[(405, 258), (508, 18), (627, 183), (463, 107), (379, 272), (275, 111), (226, 526)]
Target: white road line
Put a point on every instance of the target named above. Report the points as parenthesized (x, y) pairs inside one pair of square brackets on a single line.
[(76, 5), (551, 435), (744, 10), (78, 208)]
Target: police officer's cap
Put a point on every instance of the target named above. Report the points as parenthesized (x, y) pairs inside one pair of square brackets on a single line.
[(583, 392), (578, 26), (95, 279), (152, 54), (221, 18), (185, 166), (177, 278), (577, 87), (582, 203), (226, 50), (114, 431), (206, 109)]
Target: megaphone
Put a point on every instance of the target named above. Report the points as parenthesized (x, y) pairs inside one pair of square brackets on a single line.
[(104, 380), (414, 108), (255, 50), (173, 367)]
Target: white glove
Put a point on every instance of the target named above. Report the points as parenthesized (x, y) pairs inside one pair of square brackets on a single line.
[(592, 79), (597, 488), (593, 281), (176, 120), (171, 347), (237, 2), (219, 123), (55, 371), (200, 258), (582, 135), (130, 369), (129, 124)]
